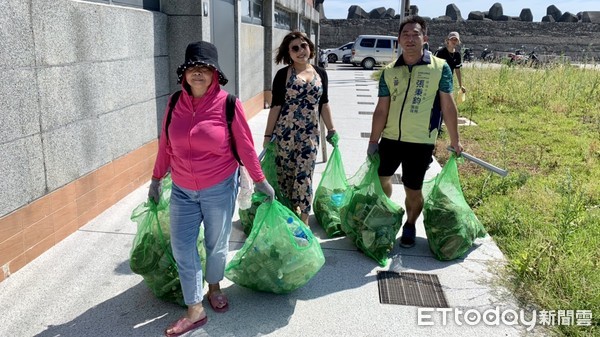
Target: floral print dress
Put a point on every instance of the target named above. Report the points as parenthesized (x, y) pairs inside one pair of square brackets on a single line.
[(297, 133)]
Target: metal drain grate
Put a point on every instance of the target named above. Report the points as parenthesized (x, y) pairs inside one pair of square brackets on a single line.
[(421, 290), (364, 96), (363, 90), (365, 134), (365, 112), (366, 103)]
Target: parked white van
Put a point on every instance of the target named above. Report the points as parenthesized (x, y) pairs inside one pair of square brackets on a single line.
[(371, 50)]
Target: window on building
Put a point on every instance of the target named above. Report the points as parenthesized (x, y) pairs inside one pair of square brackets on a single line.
[(252, 11), (304, 25), (283, 19), (152, 5), (245, 9)]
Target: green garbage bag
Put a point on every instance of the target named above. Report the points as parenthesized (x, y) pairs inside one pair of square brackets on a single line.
[(369, 218), (269, 169), (151, 255), (450, 224), (280, 255), (331, 192), (247, 215)]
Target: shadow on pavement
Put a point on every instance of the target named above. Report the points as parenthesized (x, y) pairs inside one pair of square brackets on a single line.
[(135, 312), (412, 258)]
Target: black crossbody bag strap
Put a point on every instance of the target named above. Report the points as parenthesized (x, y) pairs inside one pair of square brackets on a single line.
[(230, 114), (172, 104)]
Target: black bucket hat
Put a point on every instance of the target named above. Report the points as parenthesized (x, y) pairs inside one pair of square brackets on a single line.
[(201, 53)]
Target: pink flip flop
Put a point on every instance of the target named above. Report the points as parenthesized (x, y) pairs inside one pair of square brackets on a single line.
[(184, 325), (216, 302)]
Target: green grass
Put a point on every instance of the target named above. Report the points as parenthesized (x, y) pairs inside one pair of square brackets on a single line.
[(543, 126)]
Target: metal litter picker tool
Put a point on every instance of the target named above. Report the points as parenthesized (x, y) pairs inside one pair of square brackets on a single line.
[(262, 153), (247, 185), (480, 162)]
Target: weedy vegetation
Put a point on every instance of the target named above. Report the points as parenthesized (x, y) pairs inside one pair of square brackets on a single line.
[(543, 126)]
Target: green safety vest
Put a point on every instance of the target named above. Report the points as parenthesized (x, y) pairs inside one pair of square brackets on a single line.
[(415, 114)]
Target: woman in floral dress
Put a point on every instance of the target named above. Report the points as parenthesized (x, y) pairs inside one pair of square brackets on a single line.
[(299, 98)]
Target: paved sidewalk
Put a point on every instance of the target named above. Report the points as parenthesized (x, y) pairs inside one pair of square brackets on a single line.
[(83, 286)]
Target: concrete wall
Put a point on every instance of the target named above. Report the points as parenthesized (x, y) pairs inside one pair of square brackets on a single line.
[(252, 60), (81, 86), (78, 89), (576, 40), (186, 24)]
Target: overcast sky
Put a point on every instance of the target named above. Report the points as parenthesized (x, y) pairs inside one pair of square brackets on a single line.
[(338, 9)]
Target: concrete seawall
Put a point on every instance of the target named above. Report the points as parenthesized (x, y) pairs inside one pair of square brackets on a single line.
[(579, 41)]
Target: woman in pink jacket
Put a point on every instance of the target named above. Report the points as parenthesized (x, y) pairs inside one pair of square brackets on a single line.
[(197, 151)]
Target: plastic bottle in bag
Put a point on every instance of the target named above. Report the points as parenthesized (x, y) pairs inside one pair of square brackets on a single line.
[(245, 195), (299, 235), (337, 199)]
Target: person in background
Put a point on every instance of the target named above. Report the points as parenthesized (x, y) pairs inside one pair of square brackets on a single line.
[(414, 93), (197, 151), (452, 56), (299, 98)]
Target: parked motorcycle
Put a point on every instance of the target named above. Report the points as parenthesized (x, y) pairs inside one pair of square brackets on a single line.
[(518, 57), (468, 55), (534, 60), (323, 59), (487, 55)]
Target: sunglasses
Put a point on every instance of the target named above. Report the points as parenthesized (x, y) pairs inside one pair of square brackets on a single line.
[(296, 49)]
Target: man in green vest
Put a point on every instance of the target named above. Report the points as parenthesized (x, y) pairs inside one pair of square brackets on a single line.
[(415, 92)]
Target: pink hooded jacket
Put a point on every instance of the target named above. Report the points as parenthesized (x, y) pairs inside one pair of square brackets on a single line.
[(198, 151)]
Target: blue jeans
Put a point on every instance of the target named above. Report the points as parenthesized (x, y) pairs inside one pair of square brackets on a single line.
[(214, 207)]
